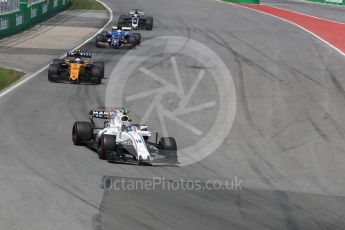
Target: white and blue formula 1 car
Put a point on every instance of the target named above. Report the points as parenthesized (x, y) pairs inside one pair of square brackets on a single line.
[(118, 140), (118, 37)]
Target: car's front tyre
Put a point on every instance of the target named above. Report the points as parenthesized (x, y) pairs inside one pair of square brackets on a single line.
[(101, 66), (96, 75), (137, 37), (167, 143), (100, 38), (167, 148), (132, 41), (53, 72), (106, 143), (58, 61)]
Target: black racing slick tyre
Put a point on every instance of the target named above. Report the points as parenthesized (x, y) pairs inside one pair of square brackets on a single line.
[(54, 69), (167, 143), (58, 61), (101, 66), (100, 38), (137, 37), (53, 77), (121, 22), (149, 23), (81, 132), (96, 75), (168, 149), (53, 72), (106, 143), (132, 41)]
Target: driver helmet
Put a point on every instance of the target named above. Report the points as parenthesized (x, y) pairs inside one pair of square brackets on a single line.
[(77, 52), (77, 60), (124, 118)]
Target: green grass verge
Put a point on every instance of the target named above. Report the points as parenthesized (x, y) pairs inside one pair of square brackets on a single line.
[(8, 76), (85, 5)]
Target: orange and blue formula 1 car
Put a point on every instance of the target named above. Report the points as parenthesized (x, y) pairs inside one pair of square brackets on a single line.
[(77, 67)]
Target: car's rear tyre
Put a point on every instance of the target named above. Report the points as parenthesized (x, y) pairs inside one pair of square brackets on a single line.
[(106, 143), (149, 23), (81, 132), (120, 22), (101, 66), (137, 37), (96, 75), (167, 143)]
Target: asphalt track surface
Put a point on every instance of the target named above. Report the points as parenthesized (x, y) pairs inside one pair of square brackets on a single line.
[(325, 11), (286, 142)]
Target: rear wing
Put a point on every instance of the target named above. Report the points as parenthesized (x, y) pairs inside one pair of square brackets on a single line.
[(140, 12), (102, 114), (123, 28), (106, 112), (84, 55)]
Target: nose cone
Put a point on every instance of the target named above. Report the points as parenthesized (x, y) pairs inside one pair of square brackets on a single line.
[(145, 158)]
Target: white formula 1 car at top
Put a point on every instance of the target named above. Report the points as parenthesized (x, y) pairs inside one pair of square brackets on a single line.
[(136, 19), (118, 140)]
